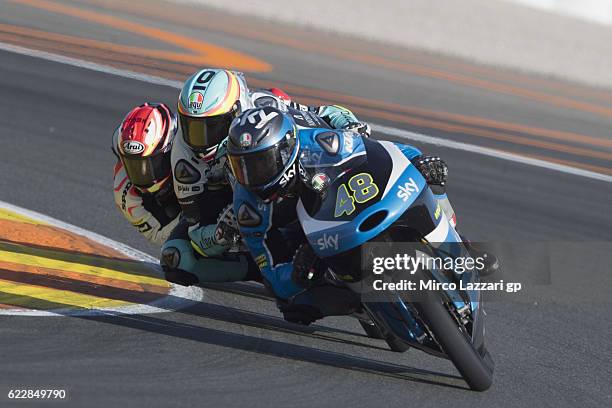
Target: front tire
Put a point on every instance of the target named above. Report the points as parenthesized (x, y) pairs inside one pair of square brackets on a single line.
[(476, 369)]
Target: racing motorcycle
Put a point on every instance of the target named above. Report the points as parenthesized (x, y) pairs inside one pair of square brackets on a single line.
[(362, 192)]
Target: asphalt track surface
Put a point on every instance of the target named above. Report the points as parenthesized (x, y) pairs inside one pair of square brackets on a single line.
[(235, 350)]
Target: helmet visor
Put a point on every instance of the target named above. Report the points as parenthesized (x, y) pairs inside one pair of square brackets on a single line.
[(257, 169), (202, 133), (144, 172)]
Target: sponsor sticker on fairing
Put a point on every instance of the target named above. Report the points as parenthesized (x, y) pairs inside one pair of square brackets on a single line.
[(404, 192), (328, 242)]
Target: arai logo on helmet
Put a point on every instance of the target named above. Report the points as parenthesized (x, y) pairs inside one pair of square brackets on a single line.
[(195, 101), (132, 147)]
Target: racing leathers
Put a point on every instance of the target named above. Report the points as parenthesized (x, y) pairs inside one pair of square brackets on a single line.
[(272, 234), (154, 215), (206, 238)]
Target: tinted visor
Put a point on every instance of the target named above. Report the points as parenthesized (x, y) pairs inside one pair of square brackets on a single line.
[(144, 172), (202, 133), (260, 168)]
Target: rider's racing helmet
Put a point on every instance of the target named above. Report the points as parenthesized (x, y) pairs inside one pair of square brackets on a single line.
[(143, 142), (209, 101), (262, 150)]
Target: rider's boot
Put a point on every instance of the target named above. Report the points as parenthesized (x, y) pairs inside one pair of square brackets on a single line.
[(320, 301)]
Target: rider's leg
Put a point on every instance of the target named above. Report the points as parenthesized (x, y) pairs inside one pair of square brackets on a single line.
[(184, 266)]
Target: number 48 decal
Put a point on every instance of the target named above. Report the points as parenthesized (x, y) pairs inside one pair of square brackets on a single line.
[(363, 188)]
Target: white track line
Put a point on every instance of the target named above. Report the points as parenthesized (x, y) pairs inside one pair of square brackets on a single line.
[(179, 297), (151, 79), (486, 151), (404, 134)]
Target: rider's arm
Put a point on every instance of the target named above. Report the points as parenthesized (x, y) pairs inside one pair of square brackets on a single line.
[(435, 172), (213, 234), (433, 168), (265, 242), (189, 180), (336, 116), (201, 192), (130, 202)]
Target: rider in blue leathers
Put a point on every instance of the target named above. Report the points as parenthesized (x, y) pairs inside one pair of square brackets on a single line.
[(269, 154), (202, 247)]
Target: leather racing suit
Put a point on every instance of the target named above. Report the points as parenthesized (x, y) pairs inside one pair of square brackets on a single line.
[(154, 215), (194, 252), (264, 227)]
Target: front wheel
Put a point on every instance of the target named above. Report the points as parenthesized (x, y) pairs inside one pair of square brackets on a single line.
[(476, 369)]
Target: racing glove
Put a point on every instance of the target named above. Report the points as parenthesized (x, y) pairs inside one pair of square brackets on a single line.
[(214, 239), (360, 127), (336, 116), (227, 228), (308, 268), (203, 240), (434, 169), (130, 202)]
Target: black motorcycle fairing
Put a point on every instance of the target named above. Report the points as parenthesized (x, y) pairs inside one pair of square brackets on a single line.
[(376, 162)]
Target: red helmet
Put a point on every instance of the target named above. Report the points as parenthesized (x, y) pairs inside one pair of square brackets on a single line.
[(143, 142)]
